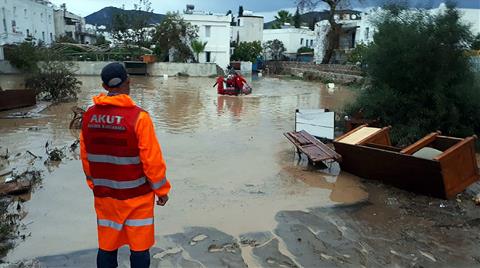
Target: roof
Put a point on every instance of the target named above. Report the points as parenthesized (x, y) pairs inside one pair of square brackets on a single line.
[(250, 16)]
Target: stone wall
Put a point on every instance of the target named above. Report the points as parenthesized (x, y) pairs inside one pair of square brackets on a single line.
[(328, 72)]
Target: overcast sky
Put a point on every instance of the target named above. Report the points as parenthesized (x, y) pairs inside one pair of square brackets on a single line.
[(263, 7)]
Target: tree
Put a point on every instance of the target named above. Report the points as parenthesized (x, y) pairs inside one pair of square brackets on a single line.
[(312, 24), (134, 30), (173, 36), (297, 19), (476, 43), (333, 36), (421, 80), (240, 11), (247, 51), (281, 18), (274, 49), (198, 47), (101, 40)]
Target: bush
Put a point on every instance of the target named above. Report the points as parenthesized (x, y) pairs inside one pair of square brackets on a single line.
[(305, 50), (23, 56), (247, 51), (421, 80), (358, 55), (54, 81)]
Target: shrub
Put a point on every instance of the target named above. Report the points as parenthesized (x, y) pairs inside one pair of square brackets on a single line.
[(421, 80), (247, 51), (54, 81)]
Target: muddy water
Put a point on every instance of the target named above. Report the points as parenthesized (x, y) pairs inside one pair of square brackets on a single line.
[(229, 164)]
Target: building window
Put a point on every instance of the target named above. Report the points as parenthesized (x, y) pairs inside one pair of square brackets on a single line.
[(301, 41), (207, 31), (311, 43), (14, 26), (208, 55), (238, 22), (41, 16), (25, 12), (51, 37), (14, 11), (4, 20), (43, 36), (28, 32)]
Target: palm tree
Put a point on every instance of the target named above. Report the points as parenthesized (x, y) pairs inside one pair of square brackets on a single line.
[(283, 17), (198, 47)]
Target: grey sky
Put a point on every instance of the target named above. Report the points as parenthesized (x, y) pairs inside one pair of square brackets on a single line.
[(264, 7)]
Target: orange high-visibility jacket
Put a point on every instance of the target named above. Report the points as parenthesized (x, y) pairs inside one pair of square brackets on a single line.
[(124, 180)]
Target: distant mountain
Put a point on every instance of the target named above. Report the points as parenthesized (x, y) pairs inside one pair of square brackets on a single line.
[(105, 16)]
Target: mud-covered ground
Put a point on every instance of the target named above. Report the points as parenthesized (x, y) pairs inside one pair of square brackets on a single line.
[(240, 196), (392, 228)]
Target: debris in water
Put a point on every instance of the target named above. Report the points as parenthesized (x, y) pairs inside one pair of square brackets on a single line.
[(74, 145), (32, 154), (15, 187), (6, 155), (476, 199), (428, 256)]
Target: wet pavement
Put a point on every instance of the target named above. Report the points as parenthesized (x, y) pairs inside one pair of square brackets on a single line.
[(240, 196)]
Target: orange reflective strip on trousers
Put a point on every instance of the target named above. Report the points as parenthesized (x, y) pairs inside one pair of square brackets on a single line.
[(125, 222)]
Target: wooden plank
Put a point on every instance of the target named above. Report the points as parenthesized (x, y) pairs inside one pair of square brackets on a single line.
[(381, 137), (324, 148), (459, 166), (425, 141), (360, 135), (314, 149), (350, 132)]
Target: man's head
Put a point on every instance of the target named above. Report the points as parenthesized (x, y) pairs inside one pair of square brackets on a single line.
[(115, 79)]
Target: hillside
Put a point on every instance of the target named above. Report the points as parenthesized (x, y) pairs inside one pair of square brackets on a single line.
[(307, 18), (105, 15), (310, 18)]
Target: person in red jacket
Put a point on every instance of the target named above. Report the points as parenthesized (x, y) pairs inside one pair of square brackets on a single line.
[(124, 167)]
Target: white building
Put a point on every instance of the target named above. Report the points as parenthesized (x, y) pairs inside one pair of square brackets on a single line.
[(21, 19), (367, 28), (292, 38), (216, 31), (247, 28), (73, 26)]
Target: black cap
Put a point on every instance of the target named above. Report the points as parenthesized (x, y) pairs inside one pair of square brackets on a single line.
[(114, 74)]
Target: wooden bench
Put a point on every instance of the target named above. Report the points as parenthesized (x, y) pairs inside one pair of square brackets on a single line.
[(315, 150)]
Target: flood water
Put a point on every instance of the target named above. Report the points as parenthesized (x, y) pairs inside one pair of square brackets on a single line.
[(230, 166)]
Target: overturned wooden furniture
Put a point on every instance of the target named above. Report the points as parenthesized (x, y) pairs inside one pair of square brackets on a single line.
[(435, 165), (17, 98), (315, 150)]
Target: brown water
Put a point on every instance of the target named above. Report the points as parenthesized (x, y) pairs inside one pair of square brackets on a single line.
[(229, 164)]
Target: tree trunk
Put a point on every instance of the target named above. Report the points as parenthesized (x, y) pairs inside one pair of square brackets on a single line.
[(333, 36)]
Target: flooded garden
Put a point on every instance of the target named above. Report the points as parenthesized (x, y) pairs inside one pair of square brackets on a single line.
[(240, 195)]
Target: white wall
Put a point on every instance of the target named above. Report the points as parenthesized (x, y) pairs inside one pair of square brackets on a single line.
[(367, 29), (29, 17), (248, 29), (72, 30), (292, 38), (216, 31)]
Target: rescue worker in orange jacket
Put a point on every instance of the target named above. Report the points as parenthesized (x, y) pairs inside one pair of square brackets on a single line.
[(125, 169)]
